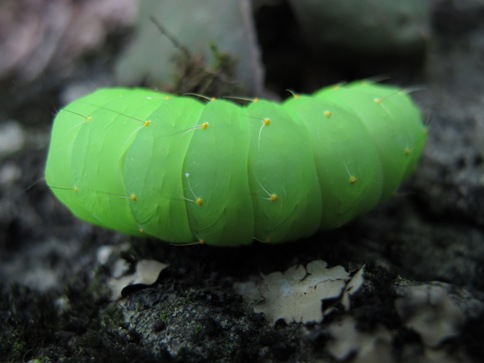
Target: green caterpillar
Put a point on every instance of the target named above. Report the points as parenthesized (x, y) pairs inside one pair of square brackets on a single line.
[(152, 164)]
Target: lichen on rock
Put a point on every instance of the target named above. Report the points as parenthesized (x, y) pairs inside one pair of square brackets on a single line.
[(298, 294)]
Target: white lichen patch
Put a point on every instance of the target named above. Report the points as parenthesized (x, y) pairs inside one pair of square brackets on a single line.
[(374, 347), (106, 253), (429, 311), (298, 294), (352, 287), (146, 273)]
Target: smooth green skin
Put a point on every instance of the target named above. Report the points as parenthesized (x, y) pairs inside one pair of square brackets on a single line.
[(328, 158), (394, 125)]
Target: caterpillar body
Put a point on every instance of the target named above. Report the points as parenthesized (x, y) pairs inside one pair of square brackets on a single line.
[(153, 164)]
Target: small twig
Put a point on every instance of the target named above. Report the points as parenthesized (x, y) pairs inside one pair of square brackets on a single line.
[(172, 39)]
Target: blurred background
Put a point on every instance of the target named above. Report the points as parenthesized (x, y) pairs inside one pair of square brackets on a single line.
[(54, 51)]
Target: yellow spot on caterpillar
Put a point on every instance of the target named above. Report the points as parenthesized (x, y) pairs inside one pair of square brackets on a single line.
[(76, 189), (327, 114), (256, 99), (147, 123), (133, 197), (167, 98), (407, 151), (294, 94), (213, 99), (141, 230), (352, 180), (265, 122), (199, 201), (337, 86), (378, 100), (273, 197), (203, 126), (202, 242), (88, 118)]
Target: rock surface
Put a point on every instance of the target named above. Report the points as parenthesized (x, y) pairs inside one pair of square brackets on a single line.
[(422, 296)]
